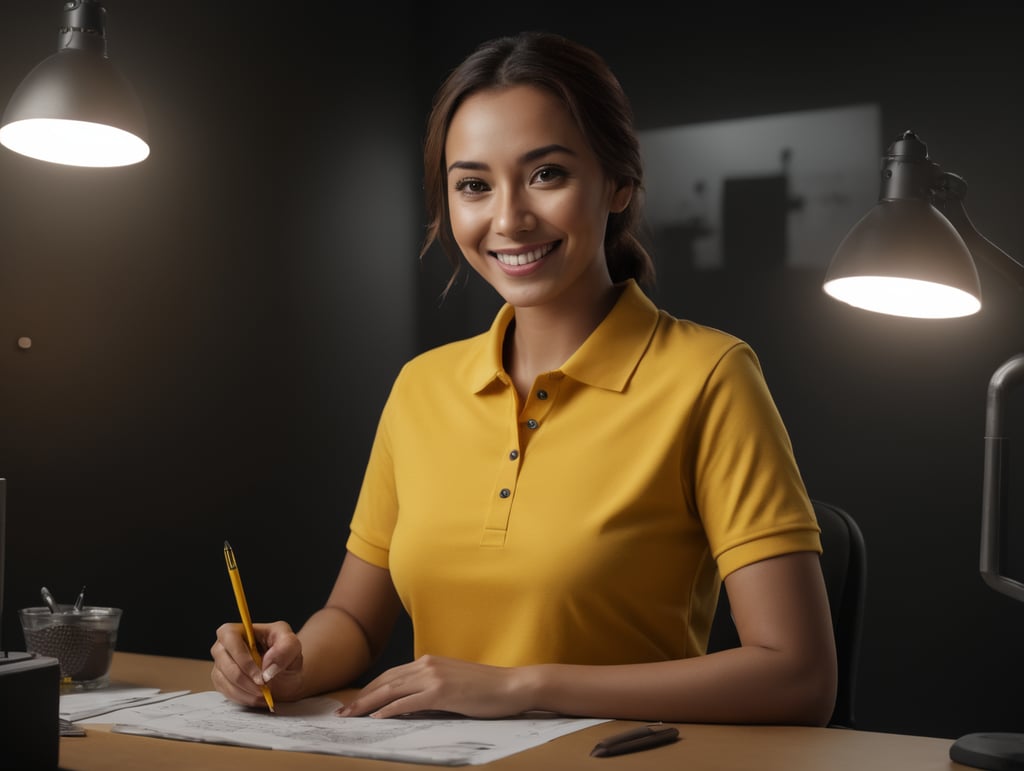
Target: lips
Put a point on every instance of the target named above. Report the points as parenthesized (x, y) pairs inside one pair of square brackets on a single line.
[(520, 258)]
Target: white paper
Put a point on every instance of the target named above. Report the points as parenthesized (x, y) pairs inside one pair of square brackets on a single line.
[(310, 725), (82, 705)]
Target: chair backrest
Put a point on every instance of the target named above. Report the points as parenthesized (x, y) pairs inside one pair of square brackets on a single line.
[(844, 566)]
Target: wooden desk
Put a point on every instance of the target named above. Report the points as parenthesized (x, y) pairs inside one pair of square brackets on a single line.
[(718, 747)]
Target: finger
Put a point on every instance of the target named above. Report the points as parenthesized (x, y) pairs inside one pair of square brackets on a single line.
[(414, 702), (377, 704), (282, 651), (371, 697), (228, 678), (392, 693), (269, 635), (231, 653), (232, 638), (231, 691)]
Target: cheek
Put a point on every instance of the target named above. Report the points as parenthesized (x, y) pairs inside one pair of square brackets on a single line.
[(468, 226), (577, 214)]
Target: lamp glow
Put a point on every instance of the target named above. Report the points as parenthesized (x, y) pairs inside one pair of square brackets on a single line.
[(73, 142), (897, 296)]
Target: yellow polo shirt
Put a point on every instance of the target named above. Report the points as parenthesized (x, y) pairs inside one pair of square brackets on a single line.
[(591, 524)]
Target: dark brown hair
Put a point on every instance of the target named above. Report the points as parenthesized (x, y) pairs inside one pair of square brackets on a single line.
[(595, 99)]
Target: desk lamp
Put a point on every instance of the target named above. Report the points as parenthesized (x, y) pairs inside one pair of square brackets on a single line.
[(911, 255), (75, 107)]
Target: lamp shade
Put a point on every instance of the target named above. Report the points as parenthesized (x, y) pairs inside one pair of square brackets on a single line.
[(905, 258), (75, 107)]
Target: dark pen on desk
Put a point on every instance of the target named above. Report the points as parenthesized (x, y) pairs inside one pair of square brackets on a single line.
[(634, 740)]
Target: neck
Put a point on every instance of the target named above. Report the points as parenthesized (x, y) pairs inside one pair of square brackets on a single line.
[(542, 338)]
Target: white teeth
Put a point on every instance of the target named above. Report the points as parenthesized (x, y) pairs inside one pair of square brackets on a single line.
[(526, 258)]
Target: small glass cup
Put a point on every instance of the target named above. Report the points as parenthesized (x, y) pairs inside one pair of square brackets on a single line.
[(81, 640)]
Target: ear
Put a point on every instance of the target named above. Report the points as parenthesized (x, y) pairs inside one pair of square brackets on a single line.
[(621, 198)]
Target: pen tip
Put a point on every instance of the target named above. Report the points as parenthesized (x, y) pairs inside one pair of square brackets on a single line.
[(227, 545)]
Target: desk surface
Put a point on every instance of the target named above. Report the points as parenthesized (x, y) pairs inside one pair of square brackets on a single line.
[(719, 747)]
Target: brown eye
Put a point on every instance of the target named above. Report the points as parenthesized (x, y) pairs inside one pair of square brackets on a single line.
[(549, 174), (470, 186)]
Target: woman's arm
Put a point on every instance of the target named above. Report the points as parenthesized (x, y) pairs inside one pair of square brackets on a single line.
[(784, 672), (343, 638)]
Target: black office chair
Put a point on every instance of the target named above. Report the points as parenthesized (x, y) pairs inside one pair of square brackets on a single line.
[(844, 565)]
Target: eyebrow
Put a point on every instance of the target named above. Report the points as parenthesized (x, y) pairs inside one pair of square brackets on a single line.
[(532, 155)]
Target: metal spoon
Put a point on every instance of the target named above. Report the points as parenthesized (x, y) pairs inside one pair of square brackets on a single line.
[(48, 599)]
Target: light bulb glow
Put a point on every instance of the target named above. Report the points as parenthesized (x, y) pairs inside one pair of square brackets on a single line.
[(903, 297), (73, 142)]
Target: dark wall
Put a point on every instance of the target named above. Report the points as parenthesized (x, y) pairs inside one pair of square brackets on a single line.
[(214, 330)]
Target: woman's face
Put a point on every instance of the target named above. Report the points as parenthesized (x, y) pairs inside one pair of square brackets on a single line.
[(527, 198)]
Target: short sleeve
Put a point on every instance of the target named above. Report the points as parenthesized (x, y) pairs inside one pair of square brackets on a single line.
[(749, 491), (376, 512)]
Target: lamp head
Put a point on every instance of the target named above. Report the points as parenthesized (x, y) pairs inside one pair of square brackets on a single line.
[(904, 257), (75, 107)]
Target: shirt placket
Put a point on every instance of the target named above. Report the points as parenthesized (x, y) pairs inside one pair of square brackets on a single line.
[(526, 426)]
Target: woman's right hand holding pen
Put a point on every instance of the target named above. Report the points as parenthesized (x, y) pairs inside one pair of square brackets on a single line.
[(335, 645), (236, 675)]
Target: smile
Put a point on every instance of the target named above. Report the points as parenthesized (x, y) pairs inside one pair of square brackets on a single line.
[(524, 258)]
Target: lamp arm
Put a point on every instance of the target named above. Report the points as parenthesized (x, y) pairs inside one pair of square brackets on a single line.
[(948, 196), (995, 481)]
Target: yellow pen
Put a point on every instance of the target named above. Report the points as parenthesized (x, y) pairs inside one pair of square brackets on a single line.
[(243, 609)]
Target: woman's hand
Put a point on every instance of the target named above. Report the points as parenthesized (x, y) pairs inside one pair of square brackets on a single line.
[(436, 683), (235, 673)]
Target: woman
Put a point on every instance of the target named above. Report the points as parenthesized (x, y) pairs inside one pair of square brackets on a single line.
[(555, 500)]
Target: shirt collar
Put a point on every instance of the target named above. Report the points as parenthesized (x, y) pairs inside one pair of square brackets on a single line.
[(606, 359)]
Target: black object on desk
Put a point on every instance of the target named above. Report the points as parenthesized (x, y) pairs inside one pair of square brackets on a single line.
[(634, 740), (29, 710)]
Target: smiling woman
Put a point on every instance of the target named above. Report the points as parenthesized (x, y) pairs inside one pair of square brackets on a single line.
[(529, 202), (557, 501)]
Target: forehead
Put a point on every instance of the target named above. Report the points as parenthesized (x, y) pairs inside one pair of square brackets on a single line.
[(510, 120)]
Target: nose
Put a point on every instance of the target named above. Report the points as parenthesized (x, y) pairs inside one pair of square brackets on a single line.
[(513, 214)]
